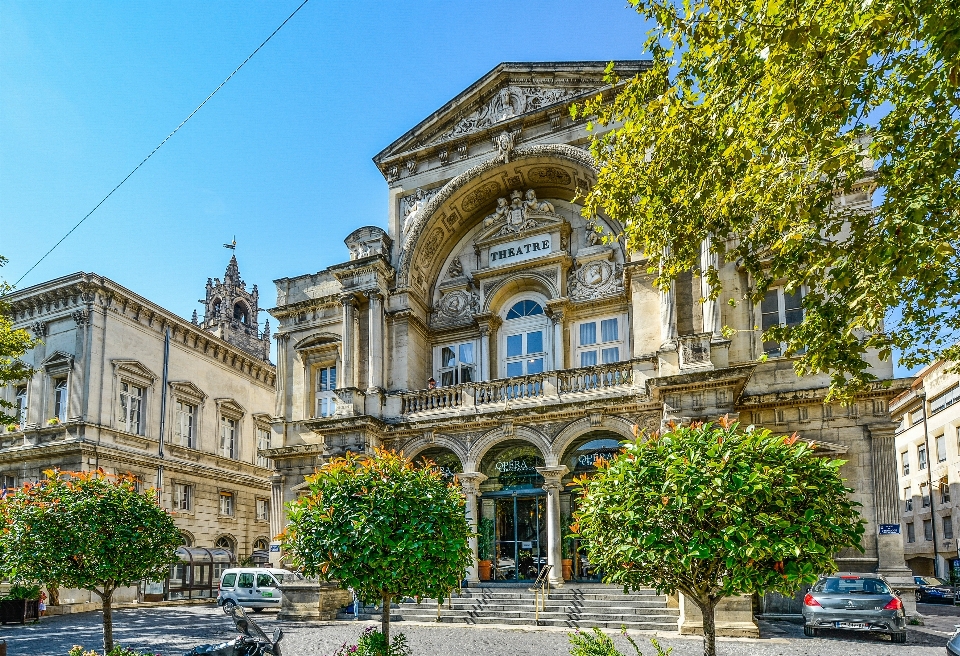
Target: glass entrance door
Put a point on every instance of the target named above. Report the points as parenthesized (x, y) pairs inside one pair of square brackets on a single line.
[(520, 530)]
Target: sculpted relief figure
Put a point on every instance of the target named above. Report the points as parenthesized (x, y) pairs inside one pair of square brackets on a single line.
[(534, 205), (456, 268), (505, 141), (593, 233), (413, 210), (498, 214)]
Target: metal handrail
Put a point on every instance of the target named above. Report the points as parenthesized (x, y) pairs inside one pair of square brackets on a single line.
[(540, 590)]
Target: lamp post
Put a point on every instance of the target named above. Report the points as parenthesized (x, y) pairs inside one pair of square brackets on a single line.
[(922, 394)]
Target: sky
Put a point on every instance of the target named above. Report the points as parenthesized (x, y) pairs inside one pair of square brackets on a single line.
[(280, 158)]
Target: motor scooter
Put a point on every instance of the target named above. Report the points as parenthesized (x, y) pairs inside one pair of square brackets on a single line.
[(252, 641)]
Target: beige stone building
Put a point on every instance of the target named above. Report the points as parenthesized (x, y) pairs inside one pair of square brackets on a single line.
[(96, 397), (928, 468), (546, 340)]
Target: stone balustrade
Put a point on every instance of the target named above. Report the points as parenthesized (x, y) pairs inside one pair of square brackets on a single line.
[(493, 395)]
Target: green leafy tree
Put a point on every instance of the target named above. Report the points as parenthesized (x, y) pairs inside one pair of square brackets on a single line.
[(383, 527), (713, 511), (13, 345), (87, 530), (753, 118)]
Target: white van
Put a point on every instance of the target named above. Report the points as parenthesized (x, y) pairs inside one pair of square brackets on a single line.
[(253, 587)]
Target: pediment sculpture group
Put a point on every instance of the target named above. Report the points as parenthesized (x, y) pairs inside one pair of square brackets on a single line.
[(516, 213)]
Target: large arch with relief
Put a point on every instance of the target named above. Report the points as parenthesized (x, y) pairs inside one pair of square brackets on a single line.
[(554, 171)]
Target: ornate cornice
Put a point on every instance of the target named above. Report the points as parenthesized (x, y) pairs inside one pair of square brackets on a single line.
[(87, 292)]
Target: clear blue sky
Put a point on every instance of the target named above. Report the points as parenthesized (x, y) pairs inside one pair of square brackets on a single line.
[(281, 157)]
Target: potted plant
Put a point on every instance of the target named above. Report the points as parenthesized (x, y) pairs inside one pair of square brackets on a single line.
[(22, 603), (566, 548), (53, 421), (13, 428), (485, 548)]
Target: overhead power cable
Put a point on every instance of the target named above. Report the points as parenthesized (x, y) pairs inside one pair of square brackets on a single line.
[(167, 138)]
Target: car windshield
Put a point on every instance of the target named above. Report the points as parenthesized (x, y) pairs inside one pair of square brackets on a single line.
[(929, 580), (851, 585)]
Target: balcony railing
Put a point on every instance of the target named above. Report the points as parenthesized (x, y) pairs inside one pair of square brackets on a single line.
[(546, 387)]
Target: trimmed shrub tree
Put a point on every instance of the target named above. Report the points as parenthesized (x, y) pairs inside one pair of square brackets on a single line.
[(87, 530), (383, 527), (714, 511)]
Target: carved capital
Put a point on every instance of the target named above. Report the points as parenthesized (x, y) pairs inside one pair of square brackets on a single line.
[(81, 317), (348, 299), (470, 482), (552, 477)]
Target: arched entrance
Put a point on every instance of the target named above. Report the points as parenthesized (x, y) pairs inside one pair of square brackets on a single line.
[(581, 459), (513, 523), (440, 458)]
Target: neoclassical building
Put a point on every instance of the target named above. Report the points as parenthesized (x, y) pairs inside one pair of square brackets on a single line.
[(494, 330), (97, 400)]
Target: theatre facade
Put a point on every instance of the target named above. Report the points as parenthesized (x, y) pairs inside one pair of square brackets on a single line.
[(494, 330)]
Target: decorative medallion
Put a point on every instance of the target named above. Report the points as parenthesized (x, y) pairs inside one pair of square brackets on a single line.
[(596, 279), (455, 308), (549, 175), (480, 196)]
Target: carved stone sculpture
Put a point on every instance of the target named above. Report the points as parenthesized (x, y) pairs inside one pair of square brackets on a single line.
[(505, 142), (595, 279), (498, 214), (455, 308), (455, 269), (593, 233), (533, 205)]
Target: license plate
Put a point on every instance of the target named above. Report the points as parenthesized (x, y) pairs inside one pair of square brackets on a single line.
[(851, 625), (267, 594)]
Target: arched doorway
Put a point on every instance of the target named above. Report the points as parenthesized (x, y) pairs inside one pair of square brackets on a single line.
[(513, 523), (581, 459), (441, 458)]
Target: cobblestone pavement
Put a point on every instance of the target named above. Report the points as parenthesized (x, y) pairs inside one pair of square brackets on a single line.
[(171, 631)]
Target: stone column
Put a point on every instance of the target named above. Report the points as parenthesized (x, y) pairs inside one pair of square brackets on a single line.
[(375, 364), (470, 482), (280, 406), (556, 315), (711, 306), (484, 352), (348, 377), (668, 317), (488, 323), (552, 484), (886, 499)]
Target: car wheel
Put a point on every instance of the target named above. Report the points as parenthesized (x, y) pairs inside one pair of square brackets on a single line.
[(228, 606), (899, 637), (919, 596), (810, 631), (257, 610)]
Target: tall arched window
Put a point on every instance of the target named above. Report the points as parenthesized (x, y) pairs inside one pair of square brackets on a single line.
[(525, 342)]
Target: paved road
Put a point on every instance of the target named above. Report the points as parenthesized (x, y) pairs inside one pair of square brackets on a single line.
[(171, 631)]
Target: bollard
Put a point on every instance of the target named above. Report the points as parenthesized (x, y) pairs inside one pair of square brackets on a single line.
[(3, 648)]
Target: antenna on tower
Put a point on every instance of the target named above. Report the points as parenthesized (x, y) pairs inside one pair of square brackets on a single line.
[(232, 245)]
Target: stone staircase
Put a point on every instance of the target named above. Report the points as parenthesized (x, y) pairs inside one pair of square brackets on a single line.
[(573, 606)]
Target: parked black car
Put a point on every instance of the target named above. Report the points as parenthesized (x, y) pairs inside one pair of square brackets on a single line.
[(933, 590)]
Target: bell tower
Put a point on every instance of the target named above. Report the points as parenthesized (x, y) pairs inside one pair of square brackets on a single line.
[(231, 313)]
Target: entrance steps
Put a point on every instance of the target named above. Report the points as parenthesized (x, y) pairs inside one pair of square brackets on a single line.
[(572, 606)]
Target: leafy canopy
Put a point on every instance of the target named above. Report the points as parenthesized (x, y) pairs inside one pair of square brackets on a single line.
[(381, 526), (13, 345), (712, 511), (753, 118), (86, 530)]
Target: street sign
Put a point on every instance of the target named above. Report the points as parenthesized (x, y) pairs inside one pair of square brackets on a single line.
[(889, 529)]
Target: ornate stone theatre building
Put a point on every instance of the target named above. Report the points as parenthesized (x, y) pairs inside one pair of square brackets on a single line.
[(494, 330)]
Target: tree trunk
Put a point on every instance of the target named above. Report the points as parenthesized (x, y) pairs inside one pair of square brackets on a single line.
[(385, 620), (106, 599), (707, 609), (53, 591)]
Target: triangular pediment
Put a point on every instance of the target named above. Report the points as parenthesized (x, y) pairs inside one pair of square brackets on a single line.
[(230, 408), (503, 99), (187, 389), (58, 360), (135, 371)]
